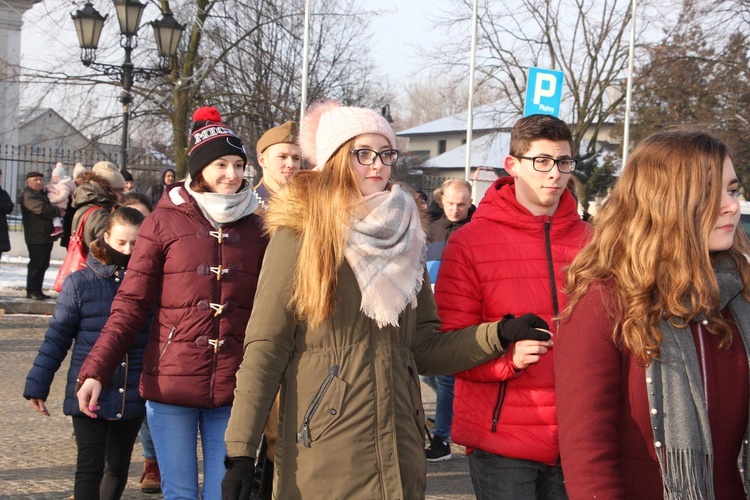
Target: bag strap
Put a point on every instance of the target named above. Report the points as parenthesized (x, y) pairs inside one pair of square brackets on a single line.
[(82, 222)]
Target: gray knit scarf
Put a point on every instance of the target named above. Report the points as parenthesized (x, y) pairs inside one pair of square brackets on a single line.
[(221, 208), (682, 435), (386, 250)]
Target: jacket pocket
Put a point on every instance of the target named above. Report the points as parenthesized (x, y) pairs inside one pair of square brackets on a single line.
[(324, 409), (415, 392), (164, 349)]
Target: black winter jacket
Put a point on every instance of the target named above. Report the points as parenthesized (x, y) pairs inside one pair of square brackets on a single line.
[(37, 214), (6, 207)]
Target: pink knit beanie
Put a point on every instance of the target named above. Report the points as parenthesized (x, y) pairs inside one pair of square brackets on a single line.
[(327, 125)]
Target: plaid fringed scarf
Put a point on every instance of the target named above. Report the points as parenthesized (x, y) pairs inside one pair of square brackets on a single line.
[(386, 250)]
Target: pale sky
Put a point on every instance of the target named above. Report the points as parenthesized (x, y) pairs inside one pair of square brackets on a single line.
[(403, 30), (405, 27)]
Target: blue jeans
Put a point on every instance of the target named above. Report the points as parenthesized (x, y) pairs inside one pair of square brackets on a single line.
[(443, 386), (174, 430), (147, 442), (495, 476)]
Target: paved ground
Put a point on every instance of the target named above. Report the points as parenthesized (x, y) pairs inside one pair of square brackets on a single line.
[(38, 453)]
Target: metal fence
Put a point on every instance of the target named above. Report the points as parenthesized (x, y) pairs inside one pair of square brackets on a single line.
[(17, 161)]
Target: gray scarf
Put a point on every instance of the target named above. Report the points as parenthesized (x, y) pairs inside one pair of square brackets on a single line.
[(386, 250), (682, 435), (223, 208)]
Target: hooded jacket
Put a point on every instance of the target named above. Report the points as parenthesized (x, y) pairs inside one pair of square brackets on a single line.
[(80, 314), (508, 261), (351, 423), (87, 195), (156, 191), (202, 282)]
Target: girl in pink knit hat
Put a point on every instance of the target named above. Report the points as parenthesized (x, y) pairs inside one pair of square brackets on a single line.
[(344, 321)]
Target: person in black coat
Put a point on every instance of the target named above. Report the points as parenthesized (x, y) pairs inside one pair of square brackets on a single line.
[(37, 213), (105, 443), (6, 207)]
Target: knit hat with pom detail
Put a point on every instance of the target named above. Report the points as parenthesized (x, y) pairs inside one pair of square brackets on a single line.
[(211, 139), (328, 125)]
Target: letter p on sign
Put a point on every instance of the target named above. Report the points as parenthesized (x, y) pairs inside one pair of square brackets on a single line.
[(543, 92)]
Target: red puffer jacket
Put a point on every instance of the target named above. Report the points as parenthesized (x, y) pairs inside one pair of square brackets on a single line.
[(508, 261), (202, 282)]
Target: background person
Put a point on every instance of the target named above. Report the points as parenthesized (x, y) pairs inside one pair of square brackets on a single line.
[(139, 201), (37, 214), (6, 207), (151, 476), (59, 190), (344, 322), (78, 172), (102, 187), (652, 359), (129, 183), (510, 261), (457, 211), (156, 191), (106, 443), (279, 157), (197, 262)]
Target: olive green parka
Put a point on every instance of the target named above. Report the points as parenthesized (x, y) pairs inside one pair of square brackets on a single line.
[(351, 423)]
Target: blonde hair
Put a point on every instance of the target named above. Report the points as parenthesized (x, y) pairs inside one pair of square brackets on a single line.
[(650, 241), (319, 206)]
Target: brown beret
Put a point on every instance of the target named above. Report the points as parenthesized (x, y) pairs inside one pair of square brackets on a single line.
[(283, 134)]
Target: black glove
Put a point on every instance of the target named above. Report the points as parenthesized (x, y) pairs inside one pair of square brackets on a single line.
[(239, 478), (511, 329)]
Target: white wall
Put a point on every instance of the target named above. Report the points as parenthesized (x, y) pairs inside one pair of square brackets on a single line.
[(18, 247)]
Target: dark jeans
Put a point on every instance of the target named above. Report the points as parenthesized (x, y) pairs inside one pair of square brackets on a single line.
[(38, 264), (443, 386), (104, 448), (495, 476)]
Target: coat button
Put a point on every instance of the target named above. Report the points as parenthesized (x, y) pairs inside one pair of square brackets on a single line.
[(117, 280), (333, 411), (657, 444), (121, 390), (649, 380), (705, 322), (122, 364), (654, 411), (119, 415)]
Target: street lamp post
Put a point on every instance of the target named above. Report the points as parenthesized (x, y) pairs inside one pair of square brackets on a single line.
[(167, 31)]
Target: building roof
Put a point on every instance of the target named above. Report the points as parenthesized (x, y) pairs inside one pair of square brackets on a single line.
[(493, 116), (486, 151)]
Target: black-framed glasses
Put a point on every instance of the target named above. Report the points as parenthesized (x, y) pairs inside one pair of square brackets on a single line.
[(545, 163), (366, 157)]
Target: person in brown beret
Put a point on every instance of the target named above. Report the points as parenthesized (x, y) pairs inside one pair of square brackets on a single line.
[(279, 157)]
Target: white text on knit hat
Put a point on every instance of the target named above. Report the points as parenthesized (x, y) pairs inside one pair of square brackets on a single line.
[(210, 132)]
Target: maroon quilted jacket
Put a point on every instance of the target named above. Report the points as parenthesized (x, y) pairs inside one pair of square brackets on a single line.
[(507, 261), (201, 282)]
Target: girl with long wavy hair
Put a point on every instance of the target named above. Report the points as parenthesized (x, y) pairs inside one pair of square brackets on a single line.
[(344, 321), (652, 359)]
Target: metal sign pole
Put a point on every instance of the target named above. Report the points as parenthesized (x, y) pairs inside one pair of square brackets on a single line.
[(470, 110)]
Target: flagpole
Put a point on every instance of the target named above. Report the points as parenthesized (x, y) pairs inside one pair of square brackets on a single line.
[(470, 108)]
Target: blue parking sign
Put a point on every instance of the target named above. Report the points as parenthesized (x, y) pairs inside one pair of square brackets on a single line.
[(543, 92)]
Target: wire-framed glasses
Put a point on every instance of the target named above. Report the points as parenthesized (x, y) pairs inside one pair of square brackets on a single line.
[(545, 163), (366, 157)]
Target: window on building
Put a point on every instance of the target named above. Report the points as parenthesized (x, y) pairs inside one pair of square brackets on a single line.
[(441, 146)]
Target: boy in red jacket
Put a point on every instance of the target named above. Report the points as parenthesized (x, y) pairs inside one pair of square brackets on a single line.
[(510, 261)]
